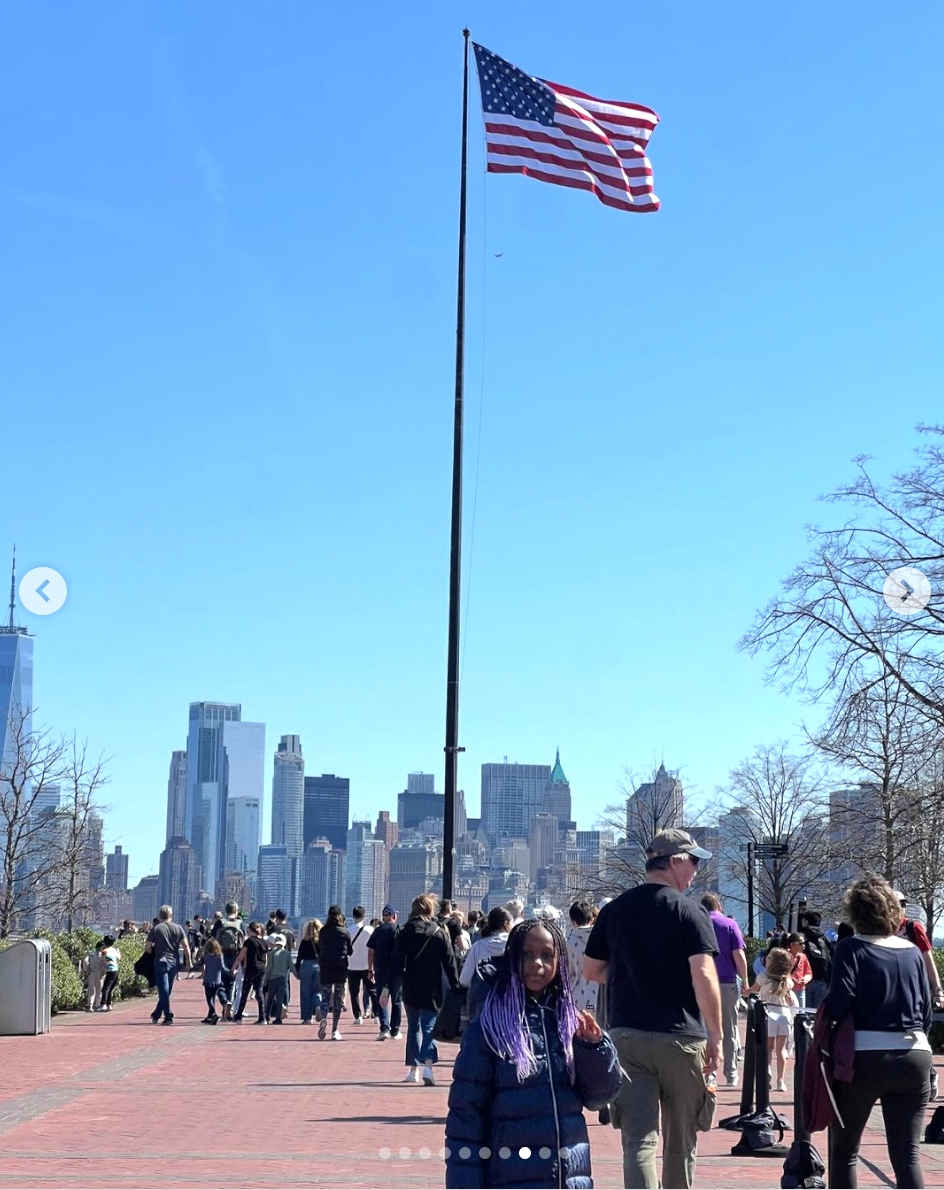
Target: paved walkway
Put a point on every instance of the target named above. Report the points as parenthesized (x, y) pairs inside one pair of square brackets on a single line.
[(112, 1101)]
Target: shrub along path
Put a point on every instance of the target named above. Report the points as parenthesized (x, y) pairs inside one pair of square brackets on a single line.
[(109, 1100)]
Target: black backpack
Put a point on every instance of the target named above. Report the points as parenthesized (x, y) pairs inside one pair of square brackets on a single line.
[(934, 1133), (821, 959), (803, 1167)]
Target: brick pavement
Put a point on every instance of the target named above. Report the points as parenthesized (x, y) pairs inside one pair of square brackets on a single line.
[(112, 1101)]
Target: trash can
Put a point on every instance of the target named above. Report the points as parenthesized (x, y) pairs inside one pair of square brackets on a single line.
[(25, 988)]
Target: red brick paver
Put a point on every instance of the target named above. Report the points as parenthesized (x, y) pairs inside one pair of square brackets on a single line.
[(109, 1100)]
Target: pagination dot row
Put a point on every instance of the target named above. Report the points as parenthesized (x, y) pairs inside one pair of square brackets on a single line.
[(464, 1153)]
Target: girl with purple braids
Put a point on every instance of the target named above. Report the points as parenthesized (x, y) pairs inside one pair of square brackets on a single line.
[(528, 1067)]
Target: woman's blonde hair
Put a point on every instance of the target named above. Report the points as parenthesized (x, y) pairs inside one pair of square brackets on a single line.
[(779, 968), (423, 906), (313, 930)]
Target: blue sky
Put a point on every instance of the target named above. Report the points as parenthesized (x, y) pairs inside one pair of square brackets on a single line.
[(228, 287)]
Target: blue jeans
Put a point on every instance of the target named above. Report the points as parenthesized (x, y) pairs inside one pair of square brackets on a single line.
[(420, 1047), (816, 993), (389, 1022), (165, 972), (310, 980), (275, 997)]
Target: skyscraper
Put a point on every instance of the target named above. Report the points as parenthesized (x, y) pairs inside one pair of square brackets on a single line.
[(116, 870), (144, 899), (418, 801), (288, 795), (178, 884), (557, 793), (386, 829), (654, 806), (225, 759), (317, 880), (511, 795), (414, 869), (275, 879), (327, 809), (359, 874), (243, 833), (16, 676), (177, 797)]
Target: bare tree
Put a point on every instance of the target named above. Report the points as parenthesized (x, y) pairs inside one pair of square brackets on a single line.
[(830, 631), (779, 799), (31, 767), (923, 875), (880, 736), (71, 888)]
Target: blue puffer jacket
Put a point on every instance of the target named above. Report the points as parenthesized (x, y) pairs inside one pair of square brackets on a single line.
[(501, 1132)]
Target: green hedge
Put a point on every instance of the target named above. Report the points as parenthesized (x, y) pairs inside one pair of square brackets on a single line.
[(68, 951)]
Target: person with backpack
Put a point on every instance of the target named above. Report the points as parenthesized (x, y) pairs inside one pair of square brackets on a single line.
[(484, 960), (358, 967), (387, 988), (334, 944), (820, 954), (230, 935), (423, 954), (251, 960), (527, 1069)]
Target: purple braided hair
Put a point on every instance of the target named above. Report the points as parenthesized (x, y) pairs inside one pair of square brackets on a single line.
[(504, 1023)]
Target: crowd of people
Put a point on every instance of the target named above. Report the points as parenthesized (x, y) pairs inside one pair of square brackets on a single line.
[(630, 1008)]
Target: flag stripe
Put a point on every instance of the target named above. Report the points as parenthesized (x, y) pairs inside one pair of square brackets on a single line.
[(578, 184), (559, 135)]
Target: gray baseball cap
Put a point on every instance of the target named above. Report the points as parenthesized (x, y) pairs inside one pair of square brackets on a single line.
[(673, 842)]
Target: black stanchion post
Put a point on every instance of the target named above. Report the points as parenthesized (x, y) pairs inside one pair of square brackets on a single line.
[(762, 1075), (750, 1060), (802, 1036)]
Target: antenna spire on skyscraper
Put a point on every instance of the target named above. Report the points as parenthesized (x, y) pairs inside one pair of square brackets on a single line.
[(13, 589)]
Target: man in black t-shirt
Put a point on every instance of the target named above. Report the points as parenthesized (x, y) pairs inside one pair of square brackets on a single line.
[(387, 987), (654, 948)]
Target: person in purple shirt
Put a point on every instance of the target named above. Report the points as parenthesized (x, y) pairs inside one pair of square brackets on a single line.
[(731, 964)]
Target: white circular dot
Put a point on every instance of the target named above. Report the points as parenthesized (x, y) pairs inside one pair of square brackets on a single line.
[(465, 1152), (504, 1153), (524, 1152), (565, 1153), (385, 1154), (445, 1153), (425, 1153), (485, 1152), (544, 1152), (405, 1153)]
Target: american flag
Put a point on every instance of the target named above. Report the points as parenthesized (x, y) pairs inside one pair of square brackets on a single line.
[(556, 134)]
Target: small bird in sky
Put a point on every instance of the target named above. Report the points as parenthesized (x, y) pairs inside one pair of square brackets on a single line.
[(497, 254)]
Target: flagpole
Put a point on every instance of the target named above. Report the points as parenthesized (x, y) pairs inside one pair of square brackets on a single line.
[(455, 555)]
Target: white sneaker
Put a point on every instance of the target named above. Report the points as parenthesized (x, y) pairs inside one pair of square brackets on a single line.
[(429, 1079), (358, 1020), (413, 1076), (781, 1086), (336, 1036), (398, 1036), (383, 1035), (732, 1081)]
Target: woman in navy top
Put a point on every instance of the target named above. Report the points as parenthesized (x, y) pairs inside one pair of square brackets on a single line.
[(880, 980)]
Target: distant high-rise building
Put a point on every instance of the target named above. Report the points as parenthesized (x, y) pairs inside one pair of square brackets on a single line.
[(365, 877), (116, 870), (462, 818), (544, 829), (288, 795), (318, 880), (511, 795), (557, 792), (275, 879), (16, 677), (225, 759), (178, 882), (327, 809), (415, 868), (144, 898), (177, 796), (418, 801), (234, 886), (386, 829), (654, 806), (243, 833)]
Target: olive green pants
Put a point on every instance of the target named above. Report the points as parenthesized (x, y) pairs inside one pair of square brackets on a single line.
[(665, 1080)]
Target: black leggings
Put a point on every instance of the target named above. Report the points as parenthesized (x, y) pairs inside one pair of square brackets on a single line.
[(109, 985), (901, 1080)]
